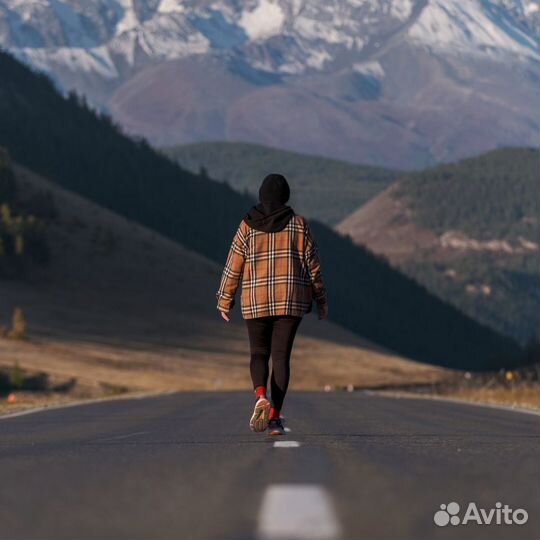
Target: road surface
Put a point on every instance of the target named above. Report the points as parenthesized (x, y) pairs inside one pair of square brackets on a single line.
[(186, 466)]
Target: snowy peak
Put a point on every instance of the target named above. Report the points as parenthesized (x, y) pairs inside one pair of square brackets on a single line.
[(476, 27), (280, 36), (265, 20), (170, 6)]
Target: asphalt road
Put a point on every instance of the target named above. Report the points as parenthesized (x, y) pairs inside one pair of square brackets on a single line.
[(186, 466)]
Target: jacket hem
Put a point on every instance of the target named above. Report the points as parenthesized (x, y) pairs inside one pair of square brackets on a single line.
[(278, 313)]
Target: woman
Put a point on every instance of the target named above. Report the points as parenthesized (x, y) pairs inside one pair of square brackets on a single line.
[(274, 255)]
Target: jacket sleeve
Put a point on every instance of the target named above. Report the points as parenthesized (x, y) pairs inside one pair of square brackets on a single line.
[(232, 273), (313, 264)]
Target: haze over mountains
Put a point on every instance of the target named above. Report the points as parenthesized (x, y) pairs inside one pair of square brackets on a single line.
[(401, 83)]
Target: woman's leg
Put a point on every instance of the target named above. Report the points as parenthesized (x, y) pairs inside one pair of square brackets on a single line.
[(260, 340), (283, 335)]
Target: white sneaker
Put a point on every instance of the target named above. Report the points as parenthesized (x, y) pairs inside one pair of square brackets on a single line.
[(261, 413)]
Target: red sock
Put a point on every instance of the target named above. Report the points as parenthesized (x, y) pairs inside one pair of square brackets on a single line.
[(260, 391), (274, 413)]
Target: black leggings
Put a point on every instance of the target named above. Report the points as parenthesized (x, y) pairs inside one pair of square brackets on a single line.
[(272, 335)]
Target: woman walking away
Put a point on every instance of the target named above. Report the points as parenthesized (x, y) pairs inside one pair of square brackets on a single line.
[(275, 257)]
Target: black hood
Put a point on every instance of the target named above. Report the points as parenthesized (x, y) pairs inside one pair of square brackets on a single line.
[(269, 217), (271, 214)]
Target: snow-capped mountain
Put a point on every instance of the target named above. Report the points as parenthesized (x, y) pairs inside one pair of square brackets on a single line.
[(399, 82)]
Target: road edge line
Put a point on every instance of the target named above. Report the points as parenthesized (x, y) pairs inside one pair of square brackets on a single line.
[(407, 395), (80, 402)]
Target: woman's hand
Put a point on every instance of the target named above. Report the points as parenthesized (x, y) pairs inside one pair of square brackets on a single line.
[(225, 316)]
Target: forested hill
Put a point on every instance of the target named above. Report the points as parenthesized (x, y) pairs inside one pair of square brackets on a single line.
[(492, 196), (470, 232), (324, 188), (64, 140)]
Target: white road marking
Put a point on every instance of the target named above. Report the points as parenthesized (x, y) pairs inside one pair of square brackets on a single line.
[(127, 436), (286, 444), (296, 512)]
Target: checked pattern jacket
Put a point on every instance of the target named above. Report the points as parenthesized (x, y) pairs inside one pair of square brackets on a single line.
[(280, 272)]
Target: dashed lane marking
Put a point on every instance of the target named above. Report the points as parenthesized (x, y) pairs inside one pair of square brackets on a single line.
[(286, 444), (296, 512)]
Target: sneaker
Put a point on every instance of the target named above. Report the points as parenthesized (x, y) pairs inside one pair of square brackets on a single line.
[(275, 427), (261, 413)]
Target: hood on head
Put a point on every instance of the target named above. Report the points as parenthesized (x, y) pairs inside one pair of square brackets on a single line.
[(274, 190), (271, 214)]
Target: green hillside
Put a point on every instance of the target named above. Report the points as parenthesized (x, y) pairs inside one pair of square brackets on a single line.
[(324, 189), (492, 196), (512, 305), (470, 232), (68, 143)]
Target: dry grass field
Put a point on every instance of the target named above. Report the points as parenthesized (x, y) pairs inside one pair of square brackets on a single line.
[(527, 396)]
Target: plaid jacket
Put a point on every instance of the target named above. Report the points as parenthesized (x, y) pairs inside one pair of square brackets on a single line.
[(280, 272)]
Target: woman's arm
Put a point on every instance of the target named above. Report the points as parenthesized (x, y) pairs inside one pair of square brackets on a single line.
[(314, 268), (232, 273)]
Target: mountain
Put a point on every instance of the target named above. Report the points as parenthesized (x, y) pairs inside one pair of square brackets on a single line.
[(63, 139), (325, 189), (394, 83), (468, 231)]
